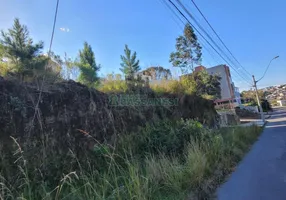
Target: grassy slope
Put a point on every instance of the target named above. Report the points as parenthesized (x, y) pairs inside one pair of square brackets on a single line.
[(163, 161)]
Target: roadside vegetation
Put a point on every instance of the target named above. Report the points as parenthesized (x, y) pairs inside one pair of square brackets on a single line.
[(162, 155), (166, 160)]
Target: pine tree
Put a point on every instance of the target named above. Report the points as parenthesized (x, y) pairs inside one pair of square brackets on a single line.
[(87, 66), (130, 66), (188, 50), (20, 51)]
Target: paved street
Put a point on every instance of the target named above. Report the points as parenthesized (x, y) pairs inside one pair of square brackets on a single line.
[(262, 173)]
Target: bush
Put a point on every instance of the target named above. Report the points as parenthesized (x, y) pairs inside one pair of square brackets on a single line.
[(167, 86), (183, 86), (113, 86), (181, 160), (164, 137)]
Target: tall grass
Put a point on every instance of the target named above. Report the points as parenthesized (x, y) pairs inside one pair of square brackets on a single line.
[(165, 160), (182, 86)]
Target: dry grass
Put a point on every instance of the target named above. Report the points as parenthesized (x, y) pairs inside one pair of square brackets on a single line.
[(119, 173)]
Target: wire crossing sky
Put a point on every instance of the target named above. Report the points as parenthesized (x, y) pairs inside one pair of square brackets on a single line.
[(253, 31)]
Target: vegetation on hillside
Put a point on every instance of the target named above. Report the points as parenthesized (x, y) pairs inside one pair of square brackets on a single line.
[(165, 160), (22, 53), (157, 73), (250, 99), (88, 66), (69, 142), (25, 61), (130, 64)]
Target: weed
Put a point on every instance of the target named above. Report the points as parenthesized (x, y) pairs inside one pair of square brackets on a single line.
[(164, 160)]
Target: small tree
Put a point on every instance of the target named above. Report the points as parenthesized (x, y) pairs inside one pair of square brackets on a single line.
[(202, 84), (87, 66), (207, 84), (188, 50), (20, 50), (130, 66)]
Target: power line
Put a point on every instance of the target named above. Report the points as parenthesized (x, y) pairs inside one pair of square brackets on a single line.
[(184, 23), (205, 32), (41, 87), (54, 25), (168, 6), (219, 36), (207, 40), (235, 77), (203, 45)]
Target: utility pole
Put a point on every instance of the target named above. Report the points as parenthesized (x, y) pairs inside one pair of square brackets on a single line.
[(255, 86), (258, 100)]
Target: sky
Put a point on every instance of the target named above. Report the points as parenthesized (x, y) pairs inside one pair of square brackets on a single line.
[(253, 30)]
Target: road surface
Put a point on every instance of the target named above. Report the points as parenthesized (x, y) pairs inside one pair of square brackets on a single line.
[(261, 175)]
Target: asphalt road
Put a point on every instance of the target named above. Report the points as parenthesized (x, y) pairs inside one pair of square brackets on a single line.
[(261, 175)]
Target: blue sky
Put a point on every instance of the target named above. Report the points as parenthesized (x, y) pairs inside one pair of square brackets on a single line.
[(253, 30)]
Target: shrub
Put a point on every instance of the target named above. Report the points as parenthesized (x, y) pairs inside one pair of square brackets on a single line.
[(113, 86), (181, 160), (183, 86), (164, 137)]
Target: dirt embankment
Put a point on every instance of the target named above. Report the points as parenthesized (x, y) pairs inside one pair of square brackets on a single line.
[(69, 111)]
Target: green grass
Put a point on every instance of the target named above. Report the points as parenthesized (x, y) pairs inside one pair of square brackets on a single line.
[(166, 160)]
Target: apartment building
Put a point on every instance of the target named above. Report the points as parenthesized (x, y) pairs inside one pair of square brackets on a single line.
[(229, 93)]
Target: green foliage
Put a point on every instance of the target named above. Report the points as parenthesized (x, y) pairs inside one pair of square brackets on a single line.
[(87, 66), (170, 86), (1, 52), (24, 59), (207, 84), (251, 95), (130, 66), (4, 68), (188, 50), (165, 137), (199, 83), (20, 50), (177, 169), (113, 84), (157, 73)]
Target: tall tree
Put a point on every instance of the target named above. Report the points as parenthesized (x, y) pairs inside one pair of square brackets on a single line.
[(130, 66), (88, 66), (20, 50), (188, 50), (158, 73)]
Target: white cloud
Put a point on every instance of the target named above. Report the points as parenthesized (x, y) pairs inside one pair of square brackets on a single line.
[(65, 29)]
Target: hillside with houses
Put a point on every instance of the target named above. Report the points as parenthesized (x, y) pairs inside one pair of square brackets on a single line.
[(275, 92)]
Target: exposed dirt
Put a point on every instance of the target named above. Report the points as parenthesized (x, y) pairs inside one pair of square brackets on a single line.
[(69, 112)]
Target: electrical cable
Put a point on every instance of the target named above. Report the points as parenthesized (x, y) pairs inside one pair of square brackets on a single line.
[(54, 25), (207, 41), (205, 32), (219, 37)]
